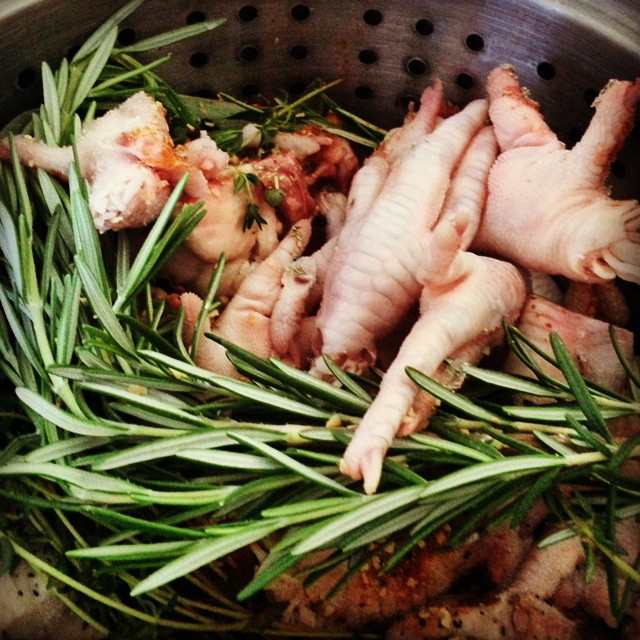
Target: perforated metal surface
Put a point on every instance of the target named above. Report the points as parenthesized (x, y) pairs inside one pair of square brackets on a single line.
[(564, 51)]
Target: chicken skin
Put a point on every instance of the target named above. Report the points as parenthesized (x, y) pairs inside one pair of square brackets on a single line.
[(246, 319), (374, 276), (548, 208)]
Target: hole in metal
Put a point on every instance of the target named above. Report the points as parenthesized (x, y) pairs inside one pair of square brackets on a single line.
[(126, 37), (367, 56), (372, 17), (299, 52), (464, 81), (198, 60), (194, 17), (589, 96), (416, 66), (300, 12), (618, 169), (247, 13), (363, 92), (26, 78), (250, 90), (546, 71), (248, 53), (424, 27), (297, 88), (474, 42)]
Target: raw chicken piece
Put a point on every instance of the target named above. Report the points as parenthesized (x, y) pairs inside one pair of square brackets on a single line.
[(283, 171), (129, 159), (517, 613), (463, 302), (124, 191), (374, 276), (333, 206), (35, 153), (545, 286), (548, 208), (222, 228), (323, 155), (468, 191), (593, 595), (246, 319), (460, 312), (430, 571), (303, 282), (204, 154), (586, 339)]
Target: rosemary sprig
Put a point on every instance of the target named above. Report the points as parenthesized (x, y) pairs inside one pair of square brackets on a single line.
[(124, 466)]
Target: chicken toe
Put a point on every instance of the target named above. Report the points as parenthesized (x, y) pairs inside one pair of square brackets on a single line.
[(548, 208)]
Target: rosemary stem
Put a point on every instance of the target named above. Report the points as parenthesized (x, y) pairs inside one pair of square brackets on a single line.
[(83, 615), (43, 566), (591, 457), (59, 385)]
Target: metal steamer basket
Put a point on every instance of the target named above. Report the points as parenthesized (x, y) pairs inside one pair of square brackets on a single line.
[(564, 51)]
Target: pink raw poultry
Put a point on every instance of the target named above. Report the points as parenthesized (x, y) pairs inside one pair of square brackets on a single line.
[(548, 208), (517, 613), (374, 276), (463, 302), (587, 340), (246, 320), (124, 191)]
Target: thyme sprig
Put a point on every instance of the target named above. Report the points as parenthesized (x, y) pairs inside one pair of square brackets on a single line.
[(245, 182)]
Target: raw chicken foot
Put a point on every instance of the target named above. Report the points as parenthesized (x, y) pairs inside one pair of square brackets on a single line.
[(374, 276), (548, 208), (463, 302), (246, 319), (464, 312)]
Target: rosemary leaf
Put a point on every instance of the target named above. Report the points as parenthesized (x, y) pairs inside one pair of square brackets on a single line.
[(202, 553), (173, 36), (117, 553), (65, 420), (93, 42), (377, 506), (292, 465), (94, 68), (579, 387), (458, 401)]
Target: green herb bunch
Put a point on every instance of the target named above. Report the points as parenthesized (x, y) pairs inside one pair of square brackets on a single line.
[(142, 473)]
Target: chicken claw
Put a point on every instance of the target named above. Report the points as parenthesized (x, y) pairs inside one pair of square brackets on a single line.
[(464, 314), (548, 208), (247, 318), (373, 279)]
